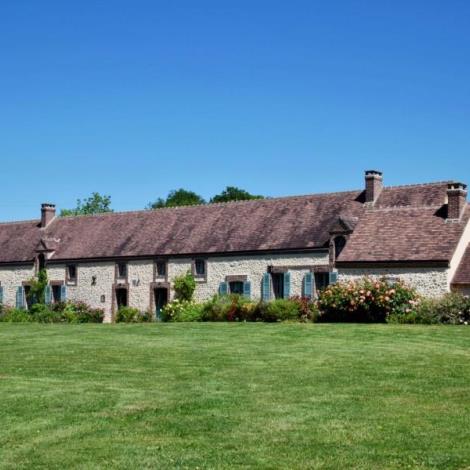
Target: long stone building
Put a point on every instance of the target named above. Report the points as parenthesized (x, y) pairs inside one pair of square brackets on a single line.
[(265, 249)]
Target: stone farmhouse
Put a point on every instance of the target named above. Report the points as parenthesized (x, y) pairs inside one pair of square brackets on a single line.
[(265, 249)]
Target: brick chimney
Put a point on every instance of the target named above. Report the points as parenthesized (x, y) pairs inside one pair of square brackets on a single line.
[(456, 200), (47, 214), (374, 185)]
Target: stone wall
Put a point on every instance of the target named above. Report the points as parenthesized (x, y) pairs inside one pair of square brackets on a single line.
[(95, 281), (100, 294), (431, 282), (11, 278)]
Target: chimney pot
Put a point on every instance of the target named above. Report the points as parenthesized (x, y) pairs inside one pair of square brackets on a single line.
[(374, 185), (456, 200), (47, 214)]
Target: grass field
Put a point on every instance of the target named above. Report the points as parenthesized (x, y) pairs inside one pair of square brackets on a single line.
[(234, 395)]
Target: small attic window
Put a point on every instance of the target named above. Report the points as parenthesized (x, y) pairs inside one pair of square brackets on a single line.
[(41, 261), (122, 270), (340, 243), (161, 268), (71, 272), (200, 268)]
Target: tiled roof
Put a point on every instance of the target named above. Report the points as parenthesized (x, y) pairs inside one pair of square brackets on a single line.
[(462, 276), (403, 234), (271, 224), (18, 241), (406, 223)]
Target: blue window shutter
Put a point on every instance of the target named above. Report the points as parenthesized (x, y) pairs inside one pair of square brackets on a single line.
[(247, 289), (48, 295), (223, 288), (308, 286), (266, 287), (63, 293), (286, 285), (333, 277), (20, 297), (1, 295)]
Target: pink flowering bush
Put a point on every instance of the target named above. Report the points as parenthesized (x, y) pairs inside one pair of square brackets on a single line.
[(366, 301)]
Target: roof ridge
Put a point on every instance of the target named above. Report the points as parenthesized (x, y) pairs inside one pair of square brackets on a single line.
[(417, 185), (402, 208), (13, 222), (209, 204)]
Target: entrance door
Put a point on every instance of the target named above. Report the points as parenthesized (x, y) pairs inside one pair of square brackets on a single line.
[(121, 298), (161, 299)]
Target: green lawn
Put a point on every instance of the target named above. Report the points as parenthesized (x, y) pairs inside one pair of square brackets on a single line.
[(234, 395)]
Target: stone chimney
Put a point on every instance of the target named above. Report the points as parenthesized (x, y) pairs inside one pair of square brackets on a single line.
[(47, 214), (456, 200), (374, 185)]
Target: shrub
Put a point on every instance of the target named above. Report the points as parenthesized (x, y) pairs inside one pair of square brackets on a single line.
[(278, 310), (80, 312), (43, 314), (452, 308), (185, 286), (182, 311), (367, 301), (228, 308), (14, 315), (308, 310), (132, 315)]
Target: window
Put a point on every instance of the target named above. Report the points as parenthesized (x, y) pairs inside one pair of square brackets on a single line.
[(29, 301), (122, 270), (278, 285), (200, 267), (161, 268), (340, 243), (41, 262), (56, 289), (236, 287), (72, 273), (321, 281)]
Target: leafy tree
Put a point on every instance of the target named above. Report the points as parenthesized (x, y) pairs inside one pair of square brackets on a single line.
[(232, 193), (95, 204), (179, 197)]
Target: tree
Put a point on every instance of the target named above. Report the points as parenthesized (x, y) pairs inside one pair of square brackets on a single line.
[(232, 193), (95, 204), (178, 197)]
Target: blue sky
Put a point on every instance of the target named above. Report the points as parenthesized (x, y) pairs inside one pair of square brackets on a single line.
[(135, 98)]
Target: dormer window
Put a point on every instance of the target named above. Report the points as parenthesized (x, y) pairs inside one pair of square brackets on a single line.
[(340, 243)]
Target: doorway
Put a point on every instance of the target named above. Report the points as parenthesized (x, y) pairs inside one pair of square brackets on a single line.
[(121, 297), (161, 299)]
